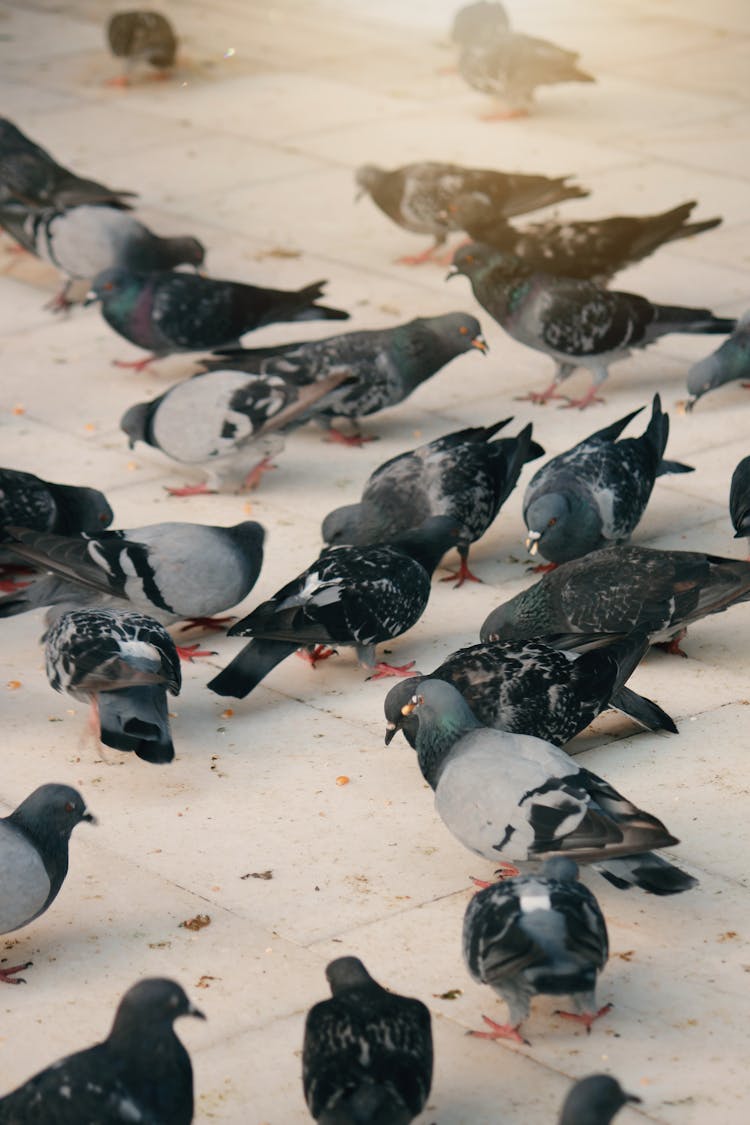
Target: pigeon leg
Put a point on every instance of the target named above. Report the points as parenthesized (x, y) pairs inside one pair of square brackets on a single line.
[(189, 653), (542, 568), (673, 646), (137, 365), (504, 115), (506, 871), (381, 670), (60, 302), (461, 575), (6, 975), (192, 490), (591, 395), (355, 440), (541, 397), (482, 884), (255, 476), (586, 1018), (427, 255), (500, 1031), (315, 654)]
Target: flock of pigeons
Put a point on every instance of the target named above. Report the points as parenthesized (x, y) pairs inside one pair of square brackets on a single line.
[(490, 724)]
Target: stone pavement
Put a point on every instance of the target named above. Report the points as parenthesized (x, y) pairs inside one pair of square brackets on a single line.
[(252, 148)]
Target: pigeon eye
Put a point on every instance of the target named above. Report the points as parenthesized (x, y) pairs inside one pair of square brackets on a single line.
[(464, 331), (552, 522), (108, 285), (69, 806)]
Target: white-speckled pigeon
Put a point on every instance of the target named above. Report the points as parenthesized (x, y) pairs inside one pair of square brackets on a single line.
[(462, 474), (141, 37), (537, 935), (367, 1052), (140, 1073), (739, 499), (34, 860), (513, 798), (728, 363), (594, 1101), (594, 494), (576, 323)]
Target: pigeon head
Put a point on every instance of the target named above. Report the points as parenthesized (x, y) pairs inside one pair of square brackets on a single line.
[(521, 618), (136, 421), (355, 524), (80, 510), (457, 332), (115, 287), (443, 716), (249, 536), (345, 973), (729, 362), (562, 526), (478, 257), (182, 250), (428, 543), (393, 705), (594, 1101), (51, 812), (367, 177), (153, 1003)]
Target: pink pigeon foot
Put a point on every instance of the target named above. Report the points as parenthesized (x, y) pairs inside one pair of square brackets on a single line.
[(356, 441), (189, 653), (506, 871), (543, 568), (481, 884), (586, 1018), (463, 574), (581, 403), (540, 398), (136, 365), (192, 490), (316, 654), (6, 975), (500, 1031), (427, 255), (9, 585), (673, 646), (383, 670), (255, 476), (504, 115)]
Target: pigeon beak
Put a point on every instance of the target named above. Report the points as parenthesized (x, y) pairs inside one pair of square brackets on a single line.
[(452, 272), (131, 443), (89, 817), (390, 733), (358, 194), (480, 343), (193, 1011), (90, 297), (532, 542), (632, 1098)]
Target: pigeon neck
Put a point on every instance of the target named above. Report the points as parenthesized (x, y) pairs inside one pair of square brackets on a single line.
[(160, 1074), (50, 841), (436, 737)]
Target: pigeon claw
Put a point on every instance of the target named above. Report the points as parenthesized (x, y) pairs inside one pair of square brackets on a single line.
[(255, 476), (481, 884), (541, 398), (504, 115), (506, 871), (542, 568), (382, 670), (581, 403), (463, 574), (189, 653), (500, 1031), (192, 490), (7, 975), (586, 1018), (673, 646), (356, 441), (136, 365), (316, 654)]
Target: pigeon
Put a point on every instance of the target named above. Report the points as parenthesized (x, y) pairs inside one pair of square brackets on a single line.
[(509, 66), (228, 421), (34, 859), (594, 1101), (386, 365), (476, 22), (142, 37), (30, 175), (462, 474), (515, 798), (576, 323), (739, 499), (728, 363), (124, 663), (360, 596), (367, 1052), (531, 687), (537, 935), (168, 312), (590, 249), (617, 589), (81, 242), (170, 571), (140, 1073), (594, 494), (417, 196)]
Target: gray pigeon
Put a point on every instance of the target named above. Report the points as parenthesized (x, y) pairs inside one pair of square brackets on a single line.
[(140, 1073), (728, 363), (124, 663), (229, 422), (617, 589), (170, 571), (83, 241), (417, 196), (385, 365), (367, 1052), (576, 323), (474, 23), (739, 499), (537, 935), (360, 596), (530, 687), (34, 860), (594, 1101), (514, 798), (141, 37), (463, 474), (167, 311), (594, 494)]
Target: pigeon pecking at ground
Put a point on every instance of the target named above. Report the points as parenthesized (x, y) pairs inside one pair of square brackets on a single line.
[(727, 364), (576, 323), (81, 242), (594, 1101), (34, 860), (531, 687), (367, 1052), (123, 663), (385, 365), (140, 1073), (417, 196), (537, 935), (594, 494), (739, 499), (463, 474), (360, 596), (514, 798), (30, 175), (617, 589), (590, 249), (167, 312), (140, 37)]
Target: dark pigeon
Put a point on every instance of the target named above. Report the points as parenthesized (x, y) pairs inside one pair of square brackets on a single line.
[(594, 494), (418, 196), (739, 499), (594, 1101), (576, 323), (386, 365), (513, 798), (360, 596), (367, 1052), (140, 1073), (618, 589), (167, 312), (537, 935), (30, 175), (590, 249), (140, 37), (531, 687), (727, 364), (34, 860), (463, 474), (124, 663)]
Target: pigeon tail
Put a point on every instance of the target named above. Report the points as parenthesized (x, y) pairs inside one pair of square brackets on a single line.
[(251, 665), (677, 318), (648, 871), (136, 718), (367, 1104), (307, 309), (649, 714)]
